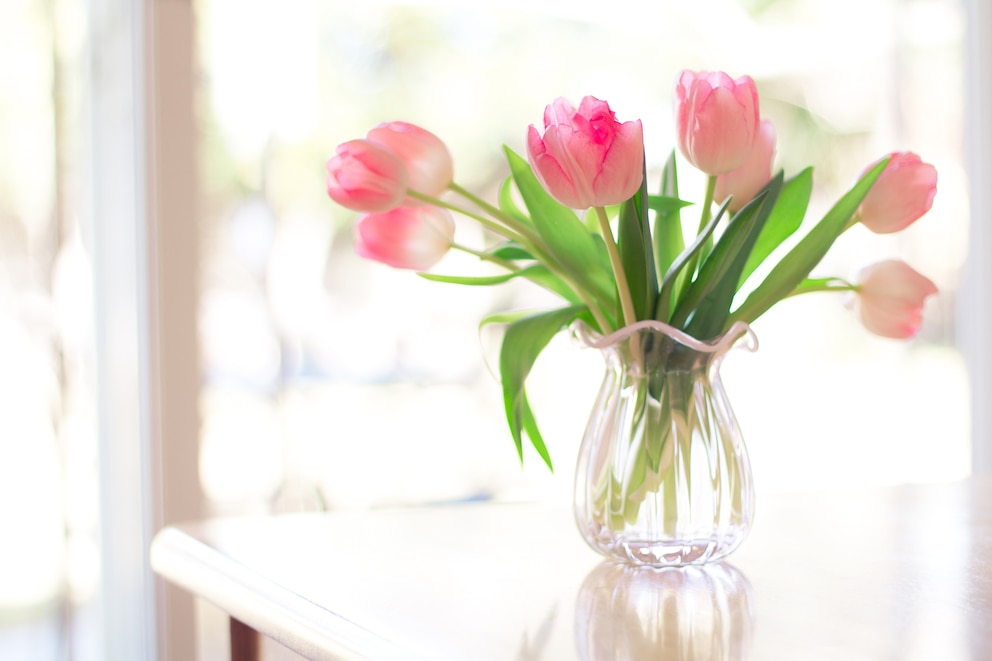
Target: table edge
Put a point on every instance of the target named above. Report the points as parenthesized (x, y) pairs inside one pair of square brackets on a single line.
[(292, 620)]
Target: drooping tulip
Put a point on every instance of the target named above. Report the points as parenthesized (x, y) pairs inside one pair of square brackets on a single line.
[(586, 158), (890, 299), (744, 182), (405, 237), (426, 157), (716, 119), (365, 176), (901, 194)]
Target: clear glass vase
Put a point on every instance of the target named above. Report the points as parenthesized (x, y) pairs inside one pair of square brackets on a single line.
[(663, 477)]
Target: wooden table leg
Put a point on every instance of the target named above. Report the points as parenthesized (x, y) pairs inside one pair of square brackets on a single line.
[(245, 642)]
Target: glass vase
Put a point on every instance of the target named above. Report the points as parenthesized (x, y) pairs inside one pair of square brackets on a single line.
[(663, 477)]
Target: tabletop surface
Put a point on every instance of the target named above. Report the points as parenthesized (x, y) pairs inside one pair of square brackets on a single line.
[(888, 573)]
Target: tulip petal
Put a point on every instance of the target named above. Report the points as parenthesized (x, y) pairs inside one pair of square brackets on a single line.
[(716, 120), (424, 155), (891, 298), (586, 157), (903, 193), (406, 237)]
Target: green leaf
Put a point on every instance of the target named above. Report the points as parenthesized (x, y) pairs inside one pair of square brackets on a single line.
[(822, 284), (637, 253), (675, 271), (785, 219), (796, 265), (536, 273), (480, 281), (523, 342), (508, 205), (503, 318), (565, 236), (534, 434), (721, 272), (510, 250), (668, 238), (663, 204), (541, 276)]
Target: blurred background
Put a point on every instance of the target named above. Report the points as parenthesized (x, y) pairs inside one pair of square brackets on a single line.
[(186, 331)]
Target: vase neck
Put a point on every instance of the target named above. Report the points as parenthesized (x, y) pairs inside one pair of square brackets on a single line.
[(648, 346)]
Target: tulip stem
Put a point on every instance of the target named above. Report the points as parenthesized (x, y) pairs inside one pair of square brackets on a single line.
[(748, 314), (526, 239), (493, 211), (486, 257), (498, 228), (704, 220), (704, 217), (623, 289)]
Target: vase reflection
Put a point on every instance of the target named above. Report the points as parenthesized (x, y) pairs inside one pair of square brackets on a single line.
[(694, 613)]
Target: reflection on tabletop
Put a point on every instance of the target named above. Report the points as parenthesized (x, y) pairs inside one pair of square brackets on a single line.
[(695, 614)]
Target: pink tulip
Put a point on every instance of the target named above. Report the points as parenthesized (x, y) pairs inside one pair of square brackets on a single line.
[(365, 176), (716, 120), (745, 182), (425, 156), (586, 158), (405, 237), (891, 297), (902, 193)]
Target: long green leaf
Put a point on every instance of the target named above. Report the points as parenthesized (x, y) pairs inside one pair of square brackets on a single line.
[(508, 205), (675, 272), (536, 273), (785, 219), (565, 235), (796, 265), (663, 204), (523, 342), (475, 280), (534, 434), (721, 271), (669, 241), (510, 250), (832, 284), (637, 253)]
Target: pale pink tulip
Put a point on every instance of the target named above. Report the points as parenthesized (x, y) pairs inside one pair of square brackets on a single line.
[(891, 297), (745, 182), (586, 158), (405, 237), (425, 156), (365, 176), (716, 119), (904, 192)]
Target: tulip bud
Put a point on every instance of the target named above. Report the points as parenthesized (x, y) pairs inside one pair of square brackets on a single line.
[(365, 176), (745, 182), (901, 194), (586, 158), (425, 156), (405, 237), (716, 120), (891, 297)]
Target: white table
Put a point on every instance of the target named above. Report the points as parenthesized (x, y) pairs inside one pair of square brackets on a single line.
[(896, 573)]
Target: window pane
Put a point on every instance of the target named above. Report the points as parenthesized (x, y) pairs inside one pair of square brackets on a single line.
[(339, 382)]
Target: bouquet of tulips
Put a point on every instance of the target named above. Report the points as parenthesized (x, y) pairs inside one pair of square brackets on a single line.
[(577, 217)]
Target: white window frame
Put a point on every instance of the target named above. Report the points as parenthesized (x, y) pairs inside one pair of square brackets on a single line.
[(142, 224), (974, 304)]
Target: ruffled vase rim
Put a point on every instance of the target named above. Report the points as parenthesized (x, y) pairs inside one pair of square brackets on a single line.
[(723, 343)]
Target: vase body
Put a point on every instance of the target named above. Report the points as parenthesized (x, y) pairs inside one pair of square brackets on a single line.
[(663, 476)]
